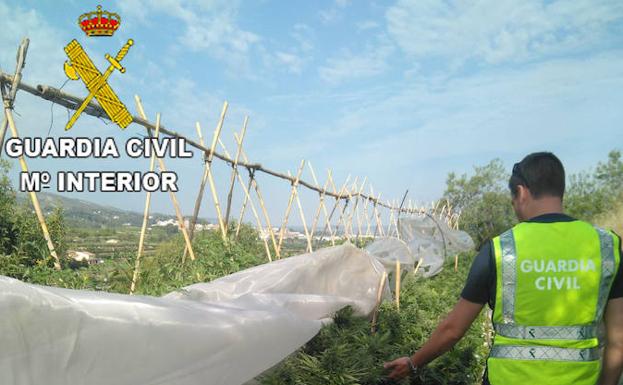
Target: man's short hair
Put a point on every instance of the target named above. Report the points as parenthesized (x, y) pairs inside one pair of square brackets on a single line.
[(541, 172)]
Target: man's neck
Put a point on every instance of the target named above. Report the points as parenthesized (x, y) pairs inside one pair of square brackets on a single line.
[(545, 205)]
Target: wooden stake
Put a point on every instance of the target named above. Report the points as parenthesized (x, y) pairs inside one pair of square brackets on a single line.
[(456, 263), (289, 207), (141, 239), (234, 172), (176, 206)]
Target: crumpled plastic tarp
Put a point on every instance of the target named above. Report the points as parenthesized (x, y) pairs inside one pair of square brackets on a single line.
[(424, 237), (432, 240), (223, 332)]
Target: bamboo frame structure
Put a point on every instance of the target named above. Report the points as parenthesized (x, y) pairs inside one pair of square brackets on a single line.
[(93, 109), (176, 206), (141, 240)]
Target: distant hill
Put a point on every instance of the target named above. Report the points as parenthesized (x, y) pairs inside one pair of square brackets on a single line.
[(81, 213)]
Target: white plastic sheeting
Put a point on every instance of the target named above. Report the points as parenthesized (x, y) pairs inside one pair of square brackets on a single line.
[(432, 240), (420, 237), (223, 332)]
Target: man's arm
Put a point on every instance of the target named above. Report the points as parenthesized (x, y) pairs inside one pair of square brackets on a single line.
[(613, 354), (447, 334)]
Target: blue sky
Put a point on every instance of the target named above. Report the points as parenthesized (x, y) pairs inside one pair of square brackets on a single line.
[(401, 92)]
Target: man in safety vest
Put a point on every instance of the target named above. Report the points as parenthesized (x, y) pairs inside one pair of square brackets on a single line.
[(551, 280)]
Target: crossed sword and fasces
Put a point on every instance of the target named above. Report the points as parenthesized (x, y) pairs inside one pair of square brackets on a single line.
[(81, 66)]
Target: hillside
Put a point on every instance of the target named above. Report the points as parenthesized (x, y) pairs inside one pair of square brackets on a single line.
[(84, 214)]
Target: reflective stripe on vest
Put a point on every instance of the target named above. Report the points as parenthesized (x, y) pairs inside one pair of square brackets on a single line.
[(546, 332), (509, 275), (607, 270), (543, 353)]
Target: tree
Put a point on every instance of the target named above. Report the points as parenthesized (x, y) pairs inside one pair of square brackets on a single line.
[(483, 200), (594, 193)]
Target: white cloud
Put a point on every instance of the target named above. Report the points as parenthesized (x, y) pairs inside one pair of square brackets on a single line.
[(46, 44), (206, 26), (304, 35), (292, 62), (373, 61), (499, 31)]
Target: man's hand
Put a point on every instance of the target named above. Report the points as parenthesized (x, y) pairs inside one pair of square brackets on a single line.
[(399, 367)]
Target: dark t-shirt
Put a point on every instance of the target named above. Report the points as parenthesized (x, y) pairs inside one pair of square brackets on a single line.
[(481, 281)]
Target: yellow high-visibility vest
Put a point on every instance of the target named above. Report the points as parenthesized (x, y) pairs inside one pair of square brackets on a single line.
[(553, 283)]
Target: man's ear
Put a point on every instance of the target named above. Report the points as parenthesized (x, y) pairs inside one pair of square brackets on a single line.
[(523, 193)]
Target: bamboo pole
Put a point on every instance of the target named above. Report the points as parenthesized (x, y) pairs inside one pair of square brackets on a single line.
[(215, 139), (207, 175), (356, 209), (380, 218), (176, 206), (289, 207), (343, 218), (234, 172), (397, 284), (321, 200), (417, 267), (141, 240), (256, 187), (366, 215), (243, 208), (335, 206), (391, 219), (202, 184), (396, 218), (302, 214), (253, 209), (8, 114), (379, 297)]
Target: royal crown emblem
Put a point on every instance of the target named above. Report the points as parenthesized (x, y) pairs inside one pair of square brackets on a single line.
[(99, 23)]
